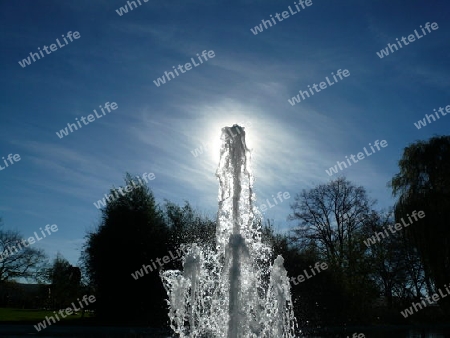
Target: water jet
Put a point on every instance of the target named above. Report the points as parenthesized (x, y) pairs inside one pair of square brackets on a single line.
[(231, 290)]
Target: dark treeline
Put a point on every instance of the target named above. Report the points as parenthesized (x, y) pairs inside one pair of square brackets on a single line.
[(136, 232), (365, 282)]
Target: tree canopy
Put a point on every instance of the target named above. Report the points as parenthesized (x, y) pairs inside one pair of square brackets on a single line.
[(18, 259), (423, 183), (131, 234)]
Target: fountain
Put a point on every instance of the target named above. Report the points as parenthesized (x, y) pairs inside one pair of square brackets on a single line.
[(231, 290)]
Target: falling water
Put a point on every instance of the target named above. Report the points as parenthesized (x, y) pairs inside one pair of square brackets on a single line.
[(231, 290)]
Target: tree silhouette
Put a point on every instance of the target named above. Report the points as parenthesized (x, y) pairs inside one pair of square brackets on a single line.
[(187, 225), (18, 259), (65, 282), (423, 183), (330, 216), (132, 233), (331, 219)]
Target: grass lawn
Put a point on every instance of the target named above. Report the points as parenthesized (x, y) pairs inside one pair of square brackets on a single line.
[(25, 315)]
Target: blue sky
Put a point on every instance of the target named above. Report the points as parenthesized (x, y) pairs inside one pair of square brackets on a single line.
[(249, 81)]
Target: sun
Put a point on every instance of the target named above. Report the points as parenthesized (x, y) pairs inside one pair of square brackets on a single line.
[(216, 132), (225, 113)]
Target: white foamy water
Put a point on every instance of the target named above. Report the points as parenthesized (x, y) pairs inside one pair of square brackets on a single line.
[(231, 290)]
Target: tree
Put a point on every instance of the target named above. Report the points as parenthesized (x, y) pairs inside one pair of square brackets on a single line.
[(187, 225), (394, 264), (330, 224), (423, 184), (131, 235), (330, 216), (279, 243), (65, 282), (18, 259)]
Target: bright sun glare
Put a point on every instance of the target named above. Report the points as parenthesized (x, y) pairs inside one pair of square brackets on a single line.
[(216, 132)]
